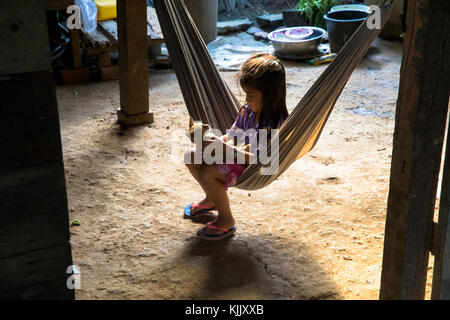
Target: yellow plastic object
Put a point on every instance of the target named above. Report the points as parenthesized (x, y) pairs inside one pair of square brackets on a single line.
[(106, 9), (322, 59)]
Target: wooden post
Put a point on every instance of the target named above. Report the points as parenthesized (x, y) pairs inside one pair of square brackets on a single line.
[(133, 62), (441, 270), (75, 44), (419, 133)]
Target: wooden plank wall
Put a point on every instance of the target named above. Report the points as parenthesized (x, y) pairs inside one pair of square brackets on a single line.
[(34, 226)]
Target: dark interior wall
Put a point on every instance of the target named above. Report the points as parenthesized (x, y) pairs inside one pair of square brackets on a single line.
[(35, 250)]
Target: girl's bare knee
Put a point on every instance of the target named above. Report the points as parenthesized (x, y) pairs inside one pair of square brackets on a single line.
[(210, 173)]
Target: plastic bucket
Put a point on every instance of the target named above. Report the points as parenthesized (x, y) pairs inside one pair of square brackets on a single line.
[(204, 14), (341, 25)]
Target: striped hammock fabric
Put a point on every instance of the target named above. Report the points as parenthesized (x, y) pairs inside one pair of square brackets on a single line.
[(209, 99)]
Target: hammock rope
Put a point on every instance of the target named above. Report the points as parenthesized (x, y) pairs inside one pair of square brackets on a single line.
[(209, 99)]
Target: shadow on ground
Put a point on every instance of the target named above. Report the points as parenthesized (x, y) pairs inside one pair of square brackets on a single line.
[(249, 267)]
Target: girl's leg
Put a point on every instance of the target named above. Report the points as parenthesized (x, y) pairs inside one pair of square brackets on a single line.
[(214, 182), (194, 170)]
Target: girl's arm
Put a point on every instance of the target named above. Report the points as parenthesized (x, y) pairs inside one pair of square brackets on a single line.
[(237, 152)]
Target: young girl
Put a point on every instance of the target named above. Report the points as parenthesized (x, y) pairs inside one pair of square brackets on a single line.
[(263, 79)]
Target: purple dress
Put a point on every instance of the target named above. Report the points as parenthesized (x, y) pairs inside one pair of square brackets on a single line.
[(244, 121)]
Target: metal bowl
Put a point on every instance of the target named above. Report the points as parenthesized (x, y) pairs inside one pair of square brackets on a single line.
[(287, 46)]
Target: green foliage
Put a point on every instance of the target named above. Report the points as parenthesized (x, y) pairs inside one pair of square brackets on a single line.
[(316, 9)]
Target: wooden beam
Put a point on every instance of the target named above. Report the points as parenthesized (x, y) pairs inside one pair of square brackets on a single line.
[(109, 73), (75, 44), (104, 59), (70, 76), (133, 62), (97, 39), (418, 138), (98, 50)]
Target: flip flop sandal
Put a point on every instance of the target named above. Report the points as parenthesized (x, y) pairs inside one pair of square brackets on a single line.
[(203, 210), (218, 236)]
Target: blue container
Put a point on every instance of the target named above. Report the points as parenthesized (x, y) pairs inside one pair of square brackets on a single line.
[(341, 25)]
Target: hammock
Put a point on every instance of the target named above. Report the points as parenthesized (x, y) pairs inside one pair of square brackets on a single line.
[(209, 99)]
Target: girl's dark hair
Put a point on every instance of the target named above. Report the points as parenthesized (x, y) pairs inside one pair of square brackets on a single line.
[(265, 73)]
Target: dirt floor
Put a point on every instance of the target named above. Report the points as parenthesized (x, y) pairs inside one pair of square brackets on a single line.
[(315, 233)]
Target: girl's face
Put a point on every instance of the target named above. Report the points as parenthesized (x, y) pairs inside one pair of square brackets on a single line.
[(253, 98)]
